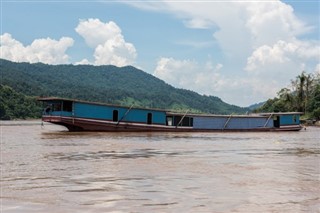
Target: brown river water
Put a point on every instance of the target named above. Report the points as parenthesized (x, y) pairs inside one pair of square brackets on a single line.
[(47, 169)]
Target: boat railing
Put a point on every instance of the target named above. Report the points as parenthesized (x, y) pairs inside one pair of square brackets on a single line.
[(125, 114)]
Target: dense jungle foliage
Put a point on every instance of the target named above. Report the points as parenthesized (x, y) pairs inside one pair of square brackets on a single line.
[(108, 84), (302, 96), (14, 105)]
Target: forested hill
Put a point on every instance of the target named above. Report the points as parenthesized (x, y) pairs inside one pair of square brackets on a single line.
[(108, 84)]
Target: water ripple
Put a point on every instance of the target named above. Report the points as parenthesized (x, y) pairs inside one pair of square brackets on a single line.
[(140, 153)]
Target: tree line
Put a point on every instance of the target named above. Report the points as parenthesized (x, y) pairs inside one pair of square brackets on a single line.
[(15, 105), (303, 95)]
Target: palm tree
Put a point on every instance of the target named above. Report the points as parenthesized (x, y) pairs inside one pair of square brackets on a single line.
[(303, 85)]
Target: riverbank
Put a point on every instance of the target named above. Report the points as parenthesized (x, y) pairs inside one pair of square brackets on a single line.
[(310, 122)]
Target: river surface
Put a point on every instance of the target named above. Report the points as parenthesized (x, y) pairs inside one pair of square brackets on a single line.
[(47, 169)]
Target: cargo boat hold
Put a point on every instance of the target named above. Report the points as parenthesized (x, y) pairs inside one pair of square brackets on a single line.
[(79, 115)]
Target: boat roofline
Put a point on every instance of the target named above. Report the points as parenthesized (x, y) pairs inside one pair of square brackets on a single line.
[(255, 115), (170, 112), (97, 103), (281, 113)]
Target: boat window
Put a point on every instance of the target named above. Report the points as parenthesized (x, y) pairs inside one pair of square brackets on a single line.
[(169, 121), (186, 121), (48, 109), (115, 115), (176, 120), (276, 121), (67, 106), (56, 107), (294, 119), (149, 118)]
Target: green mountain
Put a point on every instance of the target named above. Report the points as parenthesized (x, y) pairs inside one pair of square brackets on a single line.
[(108, 84)]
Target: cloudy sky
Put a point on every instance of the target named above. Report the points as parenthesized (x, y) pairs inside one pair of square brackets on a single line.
[(240, 51)]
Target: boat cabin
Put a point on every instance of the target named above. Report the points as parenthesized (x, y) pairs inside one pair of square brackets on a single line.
[(114, 113)]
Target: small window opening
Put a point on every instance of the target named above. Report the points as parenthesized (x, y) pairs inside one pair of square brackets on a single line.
[(176, 120), (180, 121), (67, 106), (276, 121), (149, 118), (115, 115), (56, 107), (169, 121), (186, 121), (48, 108)]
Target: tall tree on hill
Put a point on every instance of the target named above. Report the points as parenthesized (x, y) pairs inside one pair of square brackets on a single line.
[(302, 86), (303, 96)]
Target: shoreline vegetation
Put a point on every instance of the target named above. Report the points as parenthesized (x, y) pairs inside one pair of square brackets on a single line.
[(303, 95), (307, 123)]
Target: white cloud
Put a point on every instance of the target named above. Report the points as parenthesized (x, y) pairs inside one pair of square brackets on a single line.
[(208, 79), (198, 23), (108, 42), (203, 78), (269, 22), (83, 62), (283, 52), (259, 42), (96, 32), (45, 50)]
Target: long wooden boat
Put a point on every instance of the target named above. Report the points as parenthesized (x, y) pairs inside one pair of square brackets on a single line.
[(79, 115)]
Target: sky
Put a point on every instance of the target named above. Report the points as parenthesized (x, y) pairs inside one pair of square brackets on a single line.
[(241, 51)]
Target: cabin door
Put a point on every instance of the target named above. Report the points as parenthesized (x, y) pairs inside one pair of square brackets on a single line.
[(149, 118), (115, 116), (276, 121)]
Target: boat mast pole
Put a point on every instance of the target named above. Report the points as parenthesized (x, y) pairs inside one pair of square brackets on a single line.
[(182, 118), (125, 114), (268, 120), (225, 125)]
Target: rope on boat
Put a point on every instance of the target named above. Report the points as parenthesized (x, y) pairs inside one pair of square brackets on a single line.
[(73, 112), (225, 125), (182, 118), (125, 114), (268, 120)]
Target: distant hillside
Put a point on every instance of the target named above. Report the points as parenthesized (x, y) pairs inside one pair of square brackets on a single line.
[(256, 106), (108, 84)]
